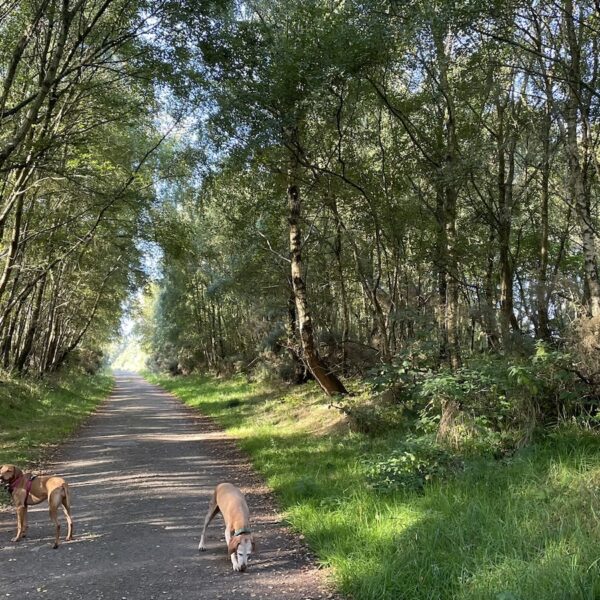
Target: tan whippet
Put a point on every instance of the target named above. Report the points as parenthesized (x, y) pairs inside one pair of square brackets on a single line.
[(230, 502)]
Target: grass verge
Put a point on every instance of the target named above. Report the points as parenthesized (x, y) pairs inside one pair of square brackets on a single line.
[(520, 529), (35, 415)]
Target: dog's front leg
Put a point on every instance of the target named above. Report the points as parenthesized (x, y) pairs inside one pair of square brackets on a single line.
[(21, 516), (234, 562)]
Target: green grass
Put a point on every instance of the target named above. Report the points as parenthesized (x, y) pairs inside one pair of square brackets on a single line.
[(38, 414), (527, 528)]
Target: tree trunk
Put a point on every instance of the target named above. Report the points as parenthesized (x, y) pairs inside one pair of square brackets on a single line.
[(543, 327), (339, 227), (344, 299), (8, 342), (452, 306), (489, 309), (442, 276), (508, 321), (32, 329), (301, 373), (579, 199), (328, 381), (448, 176), (14, 246)]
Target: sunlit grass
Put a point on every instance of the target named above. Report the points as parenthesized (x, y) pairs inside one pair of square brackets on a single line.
[(37, 414), (527, 528)]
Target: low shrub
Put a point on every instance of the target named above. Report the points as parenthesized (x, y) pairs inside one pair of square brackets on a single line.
[(495, 403), (372, 415), (410, 467)]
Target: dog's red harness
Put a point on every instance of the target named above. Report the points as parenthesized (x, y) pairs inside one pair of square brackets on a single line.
[(28, 488), (13, 484)]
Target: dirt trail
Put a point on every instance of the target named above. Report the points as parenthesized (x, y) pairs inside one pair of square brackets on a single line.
[(141, 474)]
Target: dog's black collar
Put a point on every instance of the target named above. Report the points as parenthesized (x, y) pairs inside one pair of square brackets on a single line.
[(240, 531)]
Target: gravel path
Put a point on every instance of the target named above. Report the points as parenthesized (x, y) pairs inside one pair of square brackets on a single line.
[(141, 473)]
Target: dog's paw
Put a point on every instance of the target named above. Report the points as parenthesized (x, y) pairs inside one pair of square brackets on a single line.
[(16, 539), (201, 548)]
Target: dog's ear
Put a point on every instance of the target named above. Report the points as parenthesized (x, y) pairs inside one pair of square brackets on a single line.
[(234, 543)]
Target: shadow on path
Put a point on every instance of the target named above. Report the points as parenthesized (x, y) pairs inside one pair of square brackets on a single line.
[(141, 474)]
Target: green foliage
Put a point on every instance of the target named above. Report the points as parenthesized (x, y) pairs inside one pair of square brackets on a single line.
[(500, 400), (428, 144), (128, 355), (404, 371), (78, 149), (480, 389), (416, 462)]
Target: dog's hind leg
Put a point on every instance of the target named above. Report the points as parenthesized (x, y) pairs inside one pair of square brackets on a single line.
[(54, 501), (66, 504), (213, 509)]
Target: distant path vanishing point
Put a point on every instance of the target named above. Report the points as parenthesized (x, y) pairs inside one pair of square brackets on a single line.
[(141, 473)]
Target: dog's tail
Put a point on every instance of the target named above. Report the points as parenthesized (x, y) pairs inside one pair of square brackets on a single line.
[(66, 502), (66, 497)]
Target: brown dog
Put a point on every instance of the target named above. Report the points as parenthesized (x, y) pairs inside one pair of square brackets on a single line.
[(230, 502), (27, 490)]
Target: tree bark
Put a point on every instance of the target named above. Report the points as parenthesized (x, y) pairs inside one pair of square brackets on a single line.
[(543, 327), (14, 246), (508, 321), (442, 275), (301, 373), (343, 297), (32, 329), (330, 384), (579, 199), (448, 176), (489, 309)]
